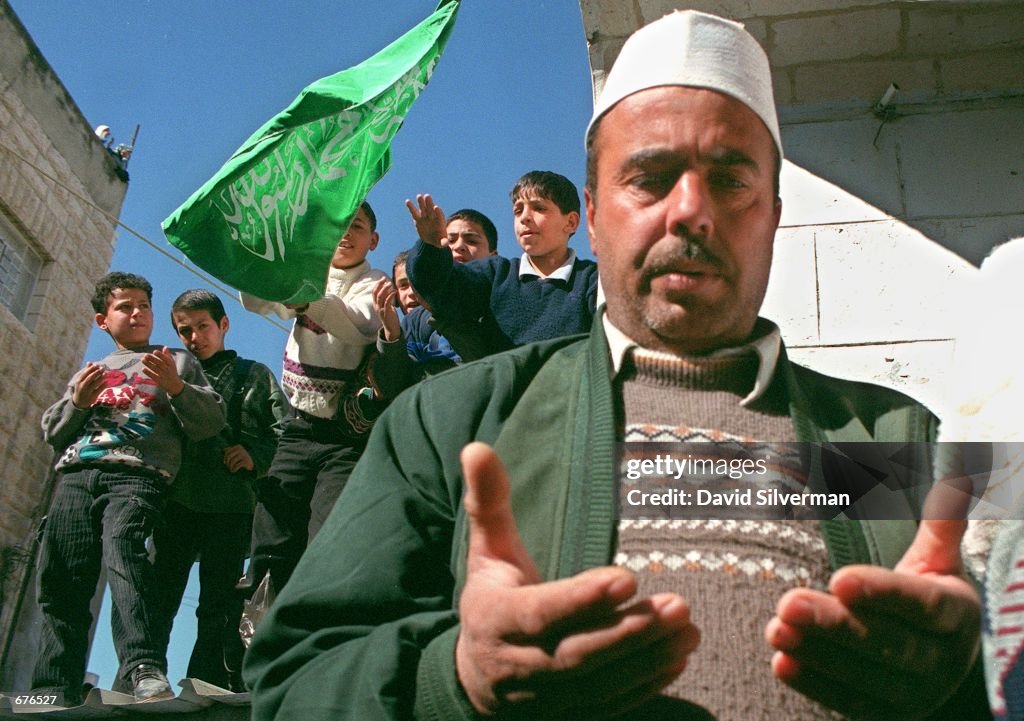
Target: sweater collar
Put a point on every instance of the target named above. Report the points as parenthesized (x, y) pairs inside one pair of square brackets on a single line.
[(766, 344)]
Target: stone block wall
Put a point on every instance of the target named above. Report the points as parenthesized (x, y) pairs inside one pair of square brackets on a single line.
[(59, 191), (845, 51)]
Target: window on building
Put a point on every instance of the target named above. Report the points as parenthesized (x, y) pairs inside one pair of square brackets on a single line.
[(20, 269)]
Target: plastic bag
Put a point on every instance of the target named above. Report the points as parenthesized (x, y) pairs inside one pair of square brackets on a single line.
[(255, 608)]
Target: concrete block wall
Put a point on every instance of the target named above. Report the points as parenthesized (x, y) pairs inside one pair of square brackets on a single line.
[(883, 224), (878, 243), (65, 218), (845, 51)]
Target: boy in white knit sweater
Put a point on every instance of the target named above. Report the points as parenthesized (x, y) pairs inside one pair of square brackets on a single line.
[(325, 366)]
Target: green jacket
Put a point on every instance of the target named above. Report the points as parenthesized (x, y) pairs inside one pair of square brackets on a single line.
[(366, 628)]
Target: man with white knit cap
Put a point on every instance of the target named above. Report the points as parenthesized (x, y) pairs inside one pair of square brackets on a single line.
[(458, 580)]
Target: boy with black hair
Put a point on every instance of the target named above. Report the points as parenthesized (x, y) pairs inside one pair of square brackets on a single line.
[(209, 512), (406, 296), (547, 293), (465, 234), (418, 344), (327, 362), (409, 347), (119, 430)]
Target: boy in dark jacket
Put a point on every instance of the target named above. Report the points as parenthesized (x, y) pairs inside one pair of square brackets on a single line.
[(209, 514), (546, 293)]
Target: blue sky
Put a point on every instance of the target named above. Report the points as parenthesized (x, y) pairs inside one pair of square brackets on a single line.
[(511, 94)]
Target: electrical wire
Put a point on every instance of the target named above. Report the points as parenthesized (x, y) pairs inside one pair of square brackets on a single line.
[(117, 221)]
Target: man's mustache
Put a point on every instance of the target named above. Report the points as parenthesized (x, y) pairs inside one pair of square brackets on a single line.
[(685, 249)]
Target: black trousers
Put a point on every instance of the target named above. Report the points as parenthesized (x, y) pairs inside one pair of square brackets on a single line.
[(311, 466), (220, 541)]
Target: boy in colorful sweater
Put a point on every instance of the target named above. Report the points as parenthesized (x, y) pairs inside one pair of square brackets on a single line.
[(119, 429)]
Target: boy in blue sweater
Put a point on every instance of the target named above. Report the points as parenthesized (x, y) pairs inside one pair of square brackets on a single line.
[(546, 293)]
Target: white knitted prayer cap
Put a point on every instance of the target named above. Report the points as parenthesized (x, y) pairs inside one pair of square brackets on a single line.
[(698, 50)]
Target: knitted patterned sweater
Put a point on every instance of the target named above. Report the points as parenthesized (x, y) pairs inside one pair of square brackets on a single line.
[(731, 571), (328, 341)]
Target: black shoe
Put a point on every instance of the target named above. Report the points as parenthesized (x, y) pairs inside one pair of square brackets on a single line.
[(150, 684)]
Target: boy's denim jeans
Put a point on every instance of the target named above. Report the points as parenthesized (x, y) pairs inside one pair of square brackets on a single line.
[(98, 514)]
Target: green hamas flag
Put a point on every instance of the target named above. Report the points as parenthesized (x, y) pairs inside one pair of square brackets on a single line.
[(268, 222)]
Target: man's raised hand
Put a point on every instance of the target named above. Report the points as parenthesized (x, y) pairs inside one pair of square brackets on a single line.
[(537, 650), (885, 643)]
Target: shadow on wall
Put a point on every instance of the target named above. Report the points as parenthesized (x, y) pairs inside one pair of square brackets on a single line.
[(878, 245), (956, 176)]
